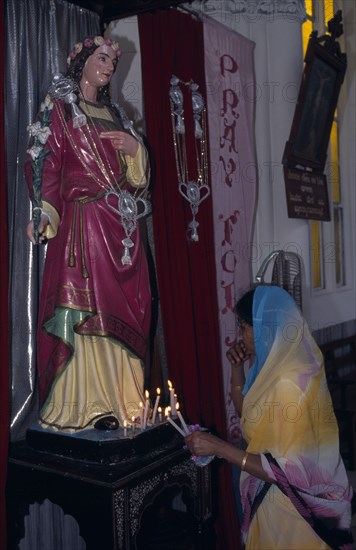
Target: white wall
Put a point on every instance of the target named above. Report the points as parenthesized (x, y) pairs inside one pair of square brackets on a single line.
[(126, 85)]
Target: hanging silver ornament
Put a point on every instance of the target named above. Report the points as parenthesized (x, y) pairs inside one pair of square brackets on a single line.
[(195, 194), (130, 209), (197, 102), (61, 86), (65, 88)]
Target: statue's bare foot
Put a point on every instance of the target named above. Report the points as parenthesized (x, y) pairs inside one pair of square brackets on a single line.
[(107, 423)]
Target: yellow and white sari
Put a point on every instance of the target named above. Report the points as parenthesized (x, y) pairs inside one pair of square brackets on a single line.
[(288, 418)]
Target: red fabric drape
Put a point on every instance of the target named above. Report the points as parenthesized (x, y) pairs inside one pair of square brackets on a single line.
[(4, 365), (172, 43)]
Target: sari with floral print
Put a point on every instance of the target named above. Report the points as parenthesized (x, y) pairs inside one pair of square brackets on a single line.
[(288, 419)]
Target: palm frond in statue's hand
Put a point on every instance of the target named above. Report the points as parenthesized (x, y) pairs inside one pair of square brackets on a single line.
[(40, 133)]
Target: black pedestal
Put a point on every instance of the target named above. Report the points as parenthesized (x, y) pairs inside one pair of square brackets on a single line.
[(105, 447), (120, 501)]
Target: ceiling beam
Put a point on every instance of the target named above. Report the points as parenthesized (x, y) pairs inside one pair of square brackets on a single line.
[(110, 10)]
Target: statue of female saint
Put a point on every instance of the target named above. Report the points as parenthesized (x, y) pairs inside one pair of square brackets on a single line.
[(87, 173)]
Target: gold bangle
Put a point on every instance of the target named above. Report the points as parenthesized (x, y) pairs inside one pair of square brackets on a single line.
[(243, 463)]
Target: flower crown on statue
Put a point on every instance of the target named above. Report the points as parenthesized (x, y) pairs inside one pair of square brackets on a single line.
[(89, 42)]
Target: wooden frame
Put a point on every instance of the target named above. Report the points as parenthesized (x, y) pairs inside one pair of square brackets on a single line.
[(323, 75)]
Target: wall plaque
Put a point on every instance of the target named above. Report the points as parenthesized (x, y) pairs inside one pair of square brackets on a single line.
[(307, 194)]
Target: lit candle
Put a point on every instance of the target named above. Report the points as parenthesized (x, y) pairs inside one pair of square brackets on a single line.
[(184, 426), (147, 402), (159, 414), (176, 426), (171, 395), (133, 424), (125, 428), (156, 406), (141, 414), (169, 411), (166, 412)]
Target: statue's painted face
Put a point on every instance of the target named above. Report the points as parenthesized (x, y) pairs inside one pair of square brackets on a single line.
[(99, 68)]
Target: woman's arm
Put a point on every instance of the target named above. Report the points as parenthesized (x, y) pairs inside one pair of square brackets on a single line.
[(237, 356), (204, 444)]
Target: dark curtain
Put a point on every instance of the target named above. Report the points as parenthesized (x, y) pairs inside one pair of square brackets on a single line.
[(4, 345), (39, 35), (172, 43)]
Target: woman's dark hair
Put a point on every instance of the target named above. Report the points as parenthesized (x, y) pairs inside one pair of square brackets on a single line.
[(244, 307), (75, 69)]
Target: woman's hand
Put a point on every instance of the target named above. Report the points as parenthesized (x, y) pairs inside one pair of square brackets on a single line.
[(121, 141), (203, 444), (237, 353), (41, 228)]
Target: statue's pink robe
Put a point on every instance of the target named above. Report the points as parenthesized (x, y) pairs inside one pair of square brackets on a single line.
[(115, 296)]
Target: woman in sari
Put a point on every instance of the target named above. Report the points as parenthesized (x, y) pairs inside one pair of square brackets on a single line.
[(87, 176), (294, 488)]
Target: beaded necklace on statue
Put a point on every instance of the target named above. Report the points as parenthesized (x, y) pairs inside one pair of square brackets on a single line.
[(130, 206), (193, 191)]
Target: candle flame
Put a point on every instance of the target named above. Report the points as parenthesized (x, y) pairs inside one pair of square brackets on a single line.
[(169, 384), (159, 409), (158, 391), (177, 406), (125, 423), (133, 419), (147, 394), (141, 405), (166, 412)]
